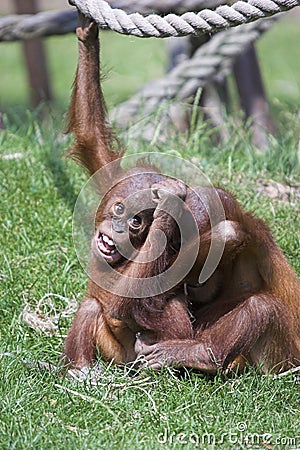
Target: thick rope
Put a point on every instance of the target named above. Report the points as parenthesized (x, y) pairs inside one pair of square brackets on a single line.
[(205, 21), (211, 61), (26, 26), (146, 7)]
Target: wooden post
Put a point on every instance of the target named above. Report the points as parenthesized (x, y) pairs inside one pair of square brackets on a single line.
[(2, 126), (252, 96), (35, 58)]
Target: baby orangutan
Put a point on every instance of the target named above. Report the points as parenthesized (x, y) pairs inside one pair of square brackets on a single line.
[(246, 312)]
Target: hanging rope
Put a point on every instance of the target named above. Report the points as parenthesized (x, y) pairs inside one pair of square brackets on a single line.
[(189, 23), (146, 7), (212, 60), (48, 23)]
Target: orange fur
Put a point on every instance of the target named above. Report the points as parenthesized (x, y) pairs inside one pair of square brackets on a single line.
[(248, 312)]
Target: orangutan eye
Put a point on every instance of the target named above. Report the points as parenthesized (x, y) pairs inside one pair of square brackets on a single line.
[(135, 222), (119, 209)]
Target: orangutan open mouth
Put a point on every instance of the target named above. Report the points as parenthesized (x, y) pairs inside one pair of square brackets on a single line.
[(106, 247)]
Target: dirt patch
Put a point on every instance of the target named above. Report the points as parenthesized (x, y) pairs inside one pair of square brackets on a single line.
[(283, 192)]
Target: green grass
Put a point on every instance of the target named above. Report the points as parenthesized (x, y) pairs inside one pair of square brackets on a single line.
[(38, 192)]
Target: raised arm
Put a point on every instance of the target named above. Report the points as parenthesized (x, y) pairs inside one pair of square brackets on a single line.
[(95, 144)]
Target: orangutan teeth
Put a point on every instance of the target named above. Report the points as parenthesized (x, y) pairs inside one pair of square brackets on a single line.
[(106, 245), (106, 239)]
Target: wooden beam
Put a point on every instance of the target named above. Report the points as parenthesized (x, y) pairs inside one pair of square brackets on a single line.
[(35, 58)]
